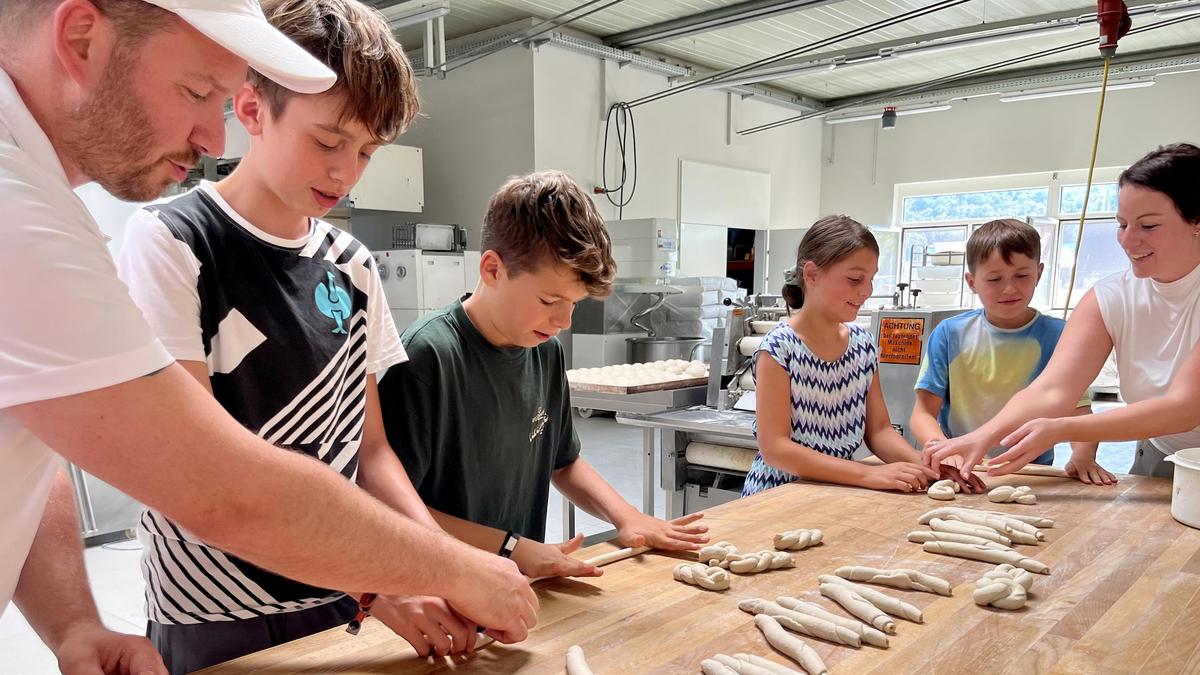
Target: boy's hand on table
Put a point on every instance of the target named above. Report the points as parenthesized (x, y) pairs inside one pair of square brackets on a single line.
[(668, 535), (429, 624), (1088, 471), (538, 560)]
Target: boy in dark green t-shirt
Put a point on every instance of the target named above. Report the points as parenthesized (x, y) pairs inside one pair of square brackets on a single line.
[(480, 415)]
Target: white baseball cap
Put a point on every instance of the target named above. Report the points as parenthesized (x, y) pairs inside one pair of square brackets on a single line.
[(241, 27)]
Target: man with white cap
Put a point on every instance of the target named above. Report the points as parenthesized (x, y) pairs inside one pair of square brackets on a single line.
[(130, 95)]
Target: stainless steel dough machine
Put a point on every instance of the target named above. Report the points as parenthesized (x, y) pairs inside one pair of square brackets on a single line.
[(707, 450), (730, 374)]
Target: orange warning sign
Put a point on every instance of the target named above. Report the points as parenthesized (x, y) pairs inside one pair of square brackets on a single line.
[(900, 340)]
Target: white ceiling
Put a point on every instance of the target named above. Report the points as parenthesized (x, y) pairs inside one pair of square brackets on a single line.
[(740, 44)]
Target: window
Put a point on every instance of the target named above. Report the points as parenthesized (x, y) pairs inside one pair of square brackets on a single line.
[(1099, 257), (1103, 199), (938, 216), (980, 206), (885, 280), (932, 260)]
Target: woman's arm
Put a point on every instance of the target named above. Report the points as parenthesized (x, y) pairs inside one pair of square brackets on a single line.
[(1174, 412), (1077, 359)]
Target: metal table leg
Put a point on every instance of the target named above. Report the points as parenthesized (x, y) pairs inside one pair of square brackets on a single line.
[(568, 519), (648, 471)]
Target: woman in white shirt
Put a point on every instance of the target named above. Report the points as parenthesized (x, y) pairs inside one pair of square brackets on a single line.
[(1149, 313)]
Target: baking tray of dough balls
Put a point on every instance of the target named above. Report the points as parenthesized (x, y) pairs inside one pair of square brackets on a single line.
[(639, 374)]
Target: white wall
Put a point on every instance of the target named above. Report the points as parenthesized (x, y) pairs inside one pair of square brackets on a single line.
[(477, 130), (572, 91), (984, 137)]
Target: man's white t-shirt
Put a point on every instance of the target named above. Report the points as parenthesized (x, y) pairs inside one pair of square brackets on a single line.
[(67, 324), (1154, 327)]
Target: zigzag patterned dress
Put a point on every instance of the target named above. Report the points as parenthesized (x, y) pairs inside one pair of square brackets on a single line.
[(829, 399)]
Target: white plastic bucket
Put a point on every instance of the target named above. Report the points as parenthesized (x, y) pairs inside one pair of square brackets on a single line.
[(1185, 493)]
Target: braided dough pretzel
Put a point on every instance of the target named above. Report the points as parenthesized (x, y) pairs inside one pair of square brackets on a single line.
[(797, 540), (943, 490), (698, 574), (1008, 493), (1004, 587)]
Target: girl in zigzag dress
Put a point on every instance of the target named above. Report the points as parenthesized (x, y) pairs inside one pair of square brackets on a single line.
[(819, 397)]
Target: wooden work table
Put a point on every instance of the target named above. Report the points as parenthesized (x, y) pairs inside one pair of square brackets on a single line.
[(1123, 595)]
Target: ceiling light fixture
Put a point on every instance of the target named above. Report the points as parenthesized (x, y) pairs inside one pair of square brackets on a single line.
[(895, 110), (888, 119), (1168, 10), (1035, 94), (1040, 30)]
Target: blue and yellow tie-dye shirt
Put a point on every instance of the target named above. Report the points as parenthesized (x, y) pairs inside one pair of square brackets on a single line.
[(976, 367)]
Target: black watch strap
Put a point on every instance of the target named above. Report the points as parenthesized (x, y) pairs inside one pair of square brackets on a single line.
[(510, 544)]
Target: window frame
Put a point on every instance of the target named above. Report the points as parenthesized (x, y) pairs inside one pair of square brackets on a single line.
[(1052, 181)]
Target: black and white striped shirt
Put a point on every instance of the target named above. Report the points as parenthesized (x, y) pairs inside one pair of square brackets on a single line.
[(290, 330)]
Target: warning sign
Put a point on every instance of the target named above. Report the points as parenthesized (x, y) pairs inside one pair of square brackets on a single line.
[(900, 340)]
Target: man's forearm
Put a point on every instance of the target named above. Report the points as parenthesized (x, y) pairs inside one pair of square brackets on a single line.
[(480, 536), (167, 443), (53, 592)]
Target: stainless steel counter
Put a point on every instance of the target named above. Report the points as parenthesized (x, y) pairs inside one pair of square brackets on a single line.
[(699, 419), (645, 403)]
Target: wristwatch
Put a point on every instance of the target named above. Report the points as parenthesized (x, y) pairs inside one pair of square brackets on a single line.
[(510, 544)]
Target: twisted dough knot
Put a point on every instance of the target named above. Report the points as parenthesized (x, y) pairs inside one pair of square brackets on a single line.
[(718, 554), (797, 540), (753, 563), (1004, 587), (1008, 493), (943, 490), (704, 576)]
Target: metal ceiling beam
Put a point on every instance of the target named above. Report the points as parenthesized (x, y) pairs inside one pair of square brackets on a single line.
[(1131, 64), (952, 81), (709, 20), (973, 30)]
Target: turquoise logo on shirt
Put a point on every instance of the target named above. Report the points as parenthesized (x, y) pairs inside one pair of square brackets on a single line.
[(333, 301)]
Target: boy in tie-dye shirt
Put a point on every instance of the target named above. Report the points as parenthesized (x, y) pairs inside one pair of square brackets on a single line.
[(976, 361)]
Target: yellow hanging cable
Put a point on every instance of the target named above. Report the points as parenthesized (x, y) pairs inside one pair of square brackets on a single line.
[(1088, 190)]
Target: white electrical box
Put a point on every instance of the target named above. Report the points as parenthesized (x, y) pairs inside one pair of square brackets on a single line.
[(645, 247), (416, 282), (393, 181)]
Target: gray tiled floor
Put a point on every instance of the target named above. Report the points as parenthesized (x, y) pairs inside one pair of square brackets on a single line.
[(614, 449)]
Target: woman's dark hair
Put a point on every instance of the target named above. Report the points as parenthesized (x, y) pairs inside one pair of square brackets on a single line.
[(1173, 170), (829, 240)]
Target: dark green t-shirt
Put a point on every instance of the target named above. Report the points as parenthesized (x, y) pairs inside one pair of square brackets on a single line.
[(479, 428)]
